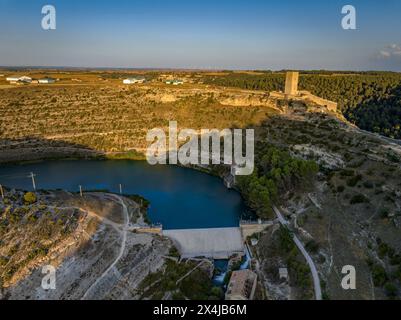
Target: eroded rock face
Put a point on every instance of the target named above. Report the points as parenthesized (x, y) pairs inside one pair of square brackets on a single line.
[(247, 100), (236, 98), (323, 157), (90, 121), (162, 97)]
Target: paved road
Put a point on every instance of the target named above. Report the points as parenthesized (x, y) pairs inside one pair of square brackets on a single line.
[(122, 248), (315, 275)]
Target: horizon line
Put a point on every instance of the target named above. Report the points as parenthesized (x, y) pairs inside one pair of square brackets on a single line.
[(191, 69)]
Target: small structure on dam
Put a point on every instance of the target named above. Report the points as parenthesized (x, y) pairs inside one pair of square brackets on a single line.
[(216, 243)]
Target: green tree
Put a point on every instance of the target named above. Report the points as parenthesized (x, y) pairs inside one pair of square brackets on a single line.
[(391, 290), (29, 198)]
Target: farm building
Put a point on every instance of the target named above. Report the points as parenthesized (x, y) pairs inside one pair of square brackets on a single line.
[(134, 80), (23, 79), (46, 80), (175, 82), (283, 273)]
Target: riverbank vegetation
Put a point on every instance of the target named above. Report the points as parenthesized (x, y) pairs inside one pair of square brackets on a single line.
[(276, 173)]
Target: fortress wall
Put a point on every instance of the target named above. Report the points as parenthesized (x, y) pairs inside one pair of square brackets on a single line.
[(307, 96), (331, 106)]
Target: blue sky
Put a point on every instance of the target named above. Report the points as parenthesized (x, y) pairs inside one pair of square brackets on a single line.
[(236, 34)]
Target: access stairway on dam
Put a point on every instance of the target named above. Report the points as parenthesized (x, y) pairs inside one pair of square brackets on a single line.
[(216, 243)]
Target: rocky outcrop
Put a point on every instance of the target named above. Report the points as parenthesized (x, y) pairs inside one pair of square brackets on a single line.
[(83, 246)]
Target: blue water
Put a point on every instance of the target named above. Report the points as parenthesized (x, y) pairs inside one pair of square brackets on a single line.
[(222, 266), (180, 198)]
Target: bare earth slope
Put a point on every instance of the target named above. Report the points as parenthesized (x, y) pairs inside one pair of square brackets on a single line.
[(79, 120), (352, 215), (86, 240)]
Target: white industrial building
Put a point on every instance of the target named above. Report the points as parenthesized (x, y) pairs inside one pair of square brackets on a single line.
[(23, 79), (175, 82), (46, 80), (283, 273), (134, 80)]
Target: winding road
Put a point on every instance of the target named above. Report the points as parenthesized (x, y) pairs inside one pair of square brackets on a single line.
[(122, 248), (298, 243)]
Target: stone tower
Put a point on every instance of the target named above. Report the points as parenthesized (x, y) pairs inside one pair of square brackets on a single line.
[(291, 83)]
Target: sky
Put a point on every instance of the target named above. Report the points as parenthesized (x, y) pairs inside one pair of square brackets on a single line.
[(202, 34)]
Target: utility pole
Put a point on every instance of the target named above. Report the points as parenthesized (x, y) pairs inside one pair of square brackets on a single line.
[(121, 189), (33, 181), (80, 190), (2, 191)]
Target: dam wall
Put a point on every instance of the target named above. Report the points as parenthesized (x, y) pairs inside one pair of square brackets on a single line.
[(216, 243)]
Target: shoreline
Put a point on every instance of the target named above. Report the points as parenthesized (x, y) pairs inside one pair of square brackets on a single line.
[(90, 156)]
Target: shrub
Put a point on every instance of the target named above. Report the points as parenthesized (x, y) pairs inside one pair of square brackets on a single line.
[(29, 198), (178, 296), (359, 198), (384, 250), (174, 252), (379, 275), (340, 189), (368, 184), (217, 292), (384, 212), (351, 182), (397, 273), (285, 239), (312, 246), (390, 289), (347, 173), (396, 260)]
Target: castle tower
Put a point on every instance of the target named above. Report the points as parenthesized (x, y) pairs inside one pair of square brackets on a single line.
[(291, 83)]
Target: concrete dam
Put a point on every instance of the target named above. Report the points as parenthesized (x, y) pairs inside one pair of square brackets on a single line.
[(216, 243)]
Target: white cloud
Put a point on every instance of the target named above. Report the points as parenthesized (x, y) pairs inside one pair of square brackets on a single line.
[(392, 50), (394, 47), (385, 54)]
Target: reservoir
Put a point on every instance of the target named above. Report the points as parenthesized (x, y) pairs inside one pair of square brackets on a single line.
[(180, 198)]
